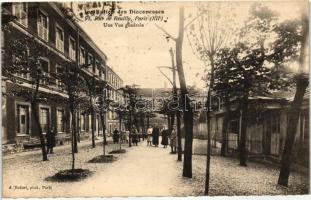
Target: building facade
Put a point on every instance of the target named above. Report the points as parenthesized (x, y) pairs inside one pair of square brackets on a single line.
[(266, 128), (114, 94), (65, 40)]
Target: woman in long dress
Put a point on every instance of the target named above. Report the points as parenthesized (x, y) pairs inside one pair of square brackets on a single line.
[(155, 136), (164, 141)]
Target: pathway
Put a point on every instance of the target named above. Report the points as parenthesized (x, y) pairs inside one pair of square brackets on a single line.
[(144, 171)]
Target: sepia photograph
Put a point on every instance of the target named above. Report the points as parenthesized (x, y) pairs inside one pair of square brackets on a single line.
[(155, 98)]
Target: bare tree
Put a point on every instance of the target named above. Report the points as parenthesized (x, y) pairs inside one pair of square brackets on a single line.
[(173, 109), (186, 108), (207, 35), (72, 79)]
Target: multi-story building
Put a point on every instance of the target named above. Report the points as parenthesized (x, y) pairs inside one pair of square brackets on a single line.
[(114, 83), (65, 40)]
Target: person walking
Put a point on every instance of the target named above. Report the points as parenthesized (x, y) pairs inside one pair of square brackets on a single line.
[(149, 136), (134, 136), (122, 137), (155, 136), (173, 141), (164, 134), (50, 140), (127, 135), (115, 136)]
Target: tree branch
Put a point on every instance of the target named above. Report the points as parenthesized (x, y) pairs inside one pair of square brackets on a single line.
[(169, 35), (186, 26), (165, 76)]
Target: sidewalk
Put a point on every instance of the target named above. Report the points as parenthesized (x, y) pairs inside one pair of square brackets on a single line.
[(37, 151)]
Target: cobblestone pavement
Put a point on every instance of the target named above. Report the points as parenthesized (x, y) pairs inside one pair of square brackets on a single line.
[(141, 171)]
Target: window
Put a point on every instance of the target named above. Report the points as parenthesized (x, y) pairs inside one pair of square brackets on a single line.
[(103, 72), (60, 121), (275, 124), (59, 39), (72, 49), (90, 61), (44, 119), (82, 56), (45, 72), (110, 94), (43, 26), (22, 119), (110, 114), (20, 10), (83, 122), (97, 67), (109, 76), (22, 70), (90, 122), (59, 84)]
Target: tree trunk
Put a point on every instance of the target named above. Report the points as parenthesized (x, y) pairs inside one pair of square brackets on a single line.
[(172, 122), (168, 121), (209, 105), (242, 147), (188, 114), (78, 130), (179, 148), (73, 133), (42, 142), (148, 121), (120, 121), (225, 123), (130, 129), (143, 129), (102, 118), (188, 121), (208, 154), (75, 138), (93, 128), (293, 118)]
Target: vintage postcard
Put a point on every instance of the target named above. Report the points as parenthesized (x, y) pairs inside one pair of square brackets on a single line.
[(155, 99)]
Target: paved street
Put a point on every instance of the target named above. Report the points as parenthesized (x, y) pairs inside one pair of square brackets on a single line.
[(142, 171)]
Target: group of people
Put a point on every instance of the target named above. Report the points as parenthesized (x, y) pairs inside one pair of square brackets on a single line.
[(122, 136), (153, 135), (125, 136)]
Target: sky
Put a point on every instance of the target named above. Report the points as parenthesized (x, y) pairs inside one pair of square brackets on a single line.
[(135, 53)]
